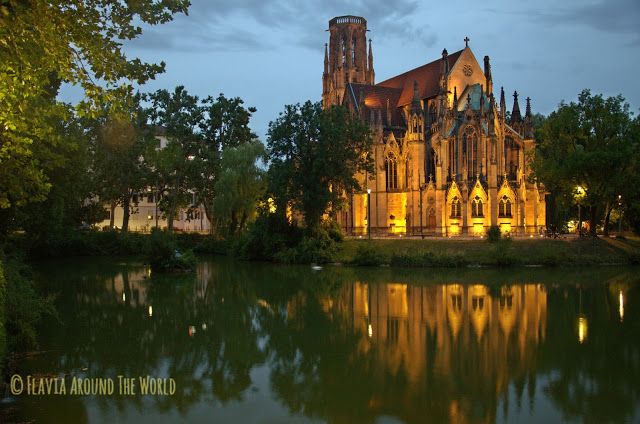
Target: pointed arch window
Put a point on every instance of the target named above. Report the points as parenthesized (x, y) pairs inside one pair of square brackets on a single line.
[(476, 207), (504, 207), (455, 207), (391, 172), (470, 148), (343, 48)]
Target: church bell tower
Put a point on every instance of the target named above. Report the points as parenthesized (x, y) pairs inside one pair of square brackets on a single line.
[(345, 58)]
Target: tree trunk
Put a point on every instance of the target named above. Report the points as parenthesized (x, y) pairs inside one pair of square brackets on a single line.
[(579, 220), (243, 221), (112, 218), (233, 224), (592, 220), (208, 211), (607, 215), (170, 217), (125, 213)]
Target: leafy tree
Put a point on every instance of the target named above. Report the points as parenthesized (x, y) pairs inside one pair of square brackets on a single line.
[(77, 41), (175, 167), (120, 168), (315, 157), (239, 185), (588, 144), (226, 125)]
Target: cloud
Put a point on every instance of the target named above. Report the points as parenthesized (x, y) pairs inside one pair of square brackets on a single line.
[(611, 16), (257, 25)]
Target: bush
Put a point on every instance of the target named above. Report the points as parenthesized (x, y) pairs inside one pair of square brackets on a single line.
[(428, 259), (493, 234), (163, 255), (367, 255), (268, 235), (24, 306), (309, 250), (503, 254)]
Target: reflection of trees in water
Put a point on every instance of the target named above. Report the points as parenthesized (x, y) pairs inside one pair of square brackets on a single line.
[(345, 345), (596, 380)]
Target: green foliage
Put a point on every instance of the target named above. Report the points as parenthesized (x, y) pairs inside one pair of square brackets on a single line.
[(428, 259), (266, 236), (319, 250), (239, 186), (80, 42), (163, 255), (368, 255), (493, 234), (24, 306), (3, 317), (314, 156), (503, 254), (579, 144), (121, 144)]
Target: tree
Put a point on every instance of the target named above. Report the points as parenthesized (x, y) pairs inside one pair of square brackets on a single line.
[(175, 167), (239, 185), (588, 144), (120, 167), (315, 156), (226, 126), (76, 41)]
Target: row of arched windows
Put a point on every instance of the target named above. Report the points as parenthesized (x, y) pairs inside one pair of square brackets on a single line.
[(477, 208)]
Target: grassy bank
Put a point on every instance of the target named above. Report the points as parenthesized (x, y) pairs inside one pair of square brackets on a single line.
[(394, 252), (456, 253)]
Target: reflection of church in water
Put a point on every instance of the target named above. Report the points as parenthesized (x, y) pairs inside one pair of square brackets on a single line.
[(436, 334)]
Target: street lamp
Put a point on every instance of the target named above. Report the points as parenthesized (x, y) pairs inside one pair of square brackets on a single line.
[(369, 212), (620, 214)]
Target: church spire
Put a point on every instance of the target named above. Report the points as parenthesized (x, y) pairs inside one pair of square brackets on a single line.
[(415, 103), (527, 113), (455, 99), (370, 65), (515, 112), (445, 62), (487, 75), (503, 103), (326, 58)]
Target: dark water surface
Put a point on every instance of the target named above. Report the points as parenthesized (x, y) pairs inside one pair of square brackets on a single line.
[(248, 342)]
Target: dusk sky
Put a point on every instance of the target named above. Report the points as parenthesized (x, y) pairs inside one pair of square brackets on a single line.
[(270, 53)]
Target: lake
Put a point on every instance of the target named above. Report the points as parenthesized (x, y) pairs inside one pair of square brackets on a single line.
[(247, 342)]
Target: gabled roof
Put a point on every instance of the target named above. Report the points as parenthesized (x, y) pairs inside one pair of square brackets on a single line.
[(428, 77)]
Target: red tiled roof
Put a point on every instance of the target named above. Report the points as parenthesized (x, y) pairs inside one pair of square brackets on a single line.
[(428, 77)]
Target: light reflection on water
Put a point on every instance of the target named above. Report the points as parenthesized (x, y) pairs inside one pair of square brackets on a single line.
[(257, 343)]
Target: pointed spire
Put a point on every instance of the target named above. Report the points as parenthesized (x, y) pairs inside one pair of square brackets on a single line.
[(445, 62), (527, 113), (326, 59), (515, 112), (388, 113), (416, 106), (503, 103), (372, 73), (455, 99), (487, 75)]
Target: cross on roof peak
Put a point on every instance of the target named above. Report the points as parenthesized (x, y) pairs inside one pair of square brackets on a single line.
[(466, 41)]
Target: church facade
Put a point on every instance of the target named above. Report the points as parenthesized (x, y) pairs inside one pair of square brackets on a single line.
[(448, 159)]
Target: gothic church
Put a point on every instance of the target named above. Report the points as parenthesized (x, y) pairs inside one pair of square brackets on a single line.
[(448, 161)]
